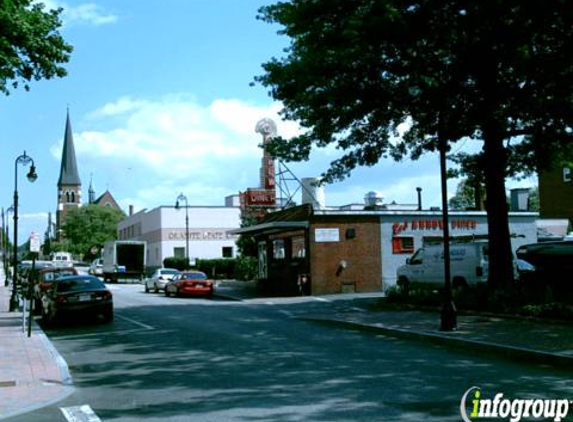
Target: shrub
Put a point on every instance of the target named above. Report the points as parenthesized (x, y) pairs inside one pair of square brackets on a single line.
[(175, 262)]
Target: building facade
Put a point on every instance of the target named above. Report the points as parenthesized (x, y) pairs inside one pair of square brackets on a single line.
[(358, 251), (165, 230), (556, 184)]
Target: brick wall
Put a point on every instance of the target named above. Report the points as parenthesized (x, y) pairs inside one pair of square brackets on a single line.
[(358, 246)]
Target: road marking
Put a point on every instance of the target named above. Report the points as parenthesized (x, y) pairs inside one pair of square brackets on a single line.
[(321, 299), (140, 324), (82, 413), (286, 313)]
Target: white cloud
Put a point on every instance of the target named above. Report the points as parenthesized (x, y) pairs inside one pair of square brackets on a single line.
[(151, 150), (147, 151), (84, 13)]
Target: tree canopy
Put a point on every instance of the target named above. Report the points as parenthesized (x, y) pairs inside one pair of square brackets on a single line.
[(494, 71), (89, 226), (31, 47)]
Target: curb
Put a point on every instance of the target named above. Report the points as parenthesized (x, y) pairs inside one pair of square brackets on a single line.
[(508, 352)]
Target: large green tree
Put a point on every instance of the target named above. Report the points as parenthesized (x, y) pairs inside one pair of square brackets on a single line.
[(31, 47), (89, 226), (497, 71)]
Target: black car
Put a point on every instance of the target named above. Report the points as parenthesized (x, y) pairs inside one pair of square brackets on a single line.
[(78, 294)]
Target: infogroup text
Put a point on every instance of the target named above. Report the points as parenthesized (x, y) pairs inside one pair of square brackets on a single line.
[(473, 406)]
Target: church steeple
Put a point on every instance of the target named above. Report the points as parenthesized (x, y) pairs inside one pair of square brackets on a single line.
[(69, 183), (69, 167), (91, 191)]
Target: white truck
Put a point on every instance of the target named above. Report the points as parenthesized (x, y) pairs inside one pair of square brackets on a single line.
[(124, 259), (62, 259), (469, 264)]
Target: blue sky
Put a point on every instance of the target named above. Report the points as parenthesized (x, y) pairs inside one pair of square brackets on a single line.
[(160, 102)]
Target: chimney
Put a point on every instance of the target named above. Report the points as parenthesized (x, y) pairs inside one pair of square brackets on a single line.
[(419, 190), (130, 210)]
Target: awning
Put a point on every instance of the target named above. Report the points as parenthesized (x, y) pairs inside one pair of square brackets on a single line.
[(271, 227)]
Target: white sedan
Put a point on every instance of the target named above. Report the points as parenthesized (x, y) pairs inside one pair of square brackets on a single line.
[(159, 279)]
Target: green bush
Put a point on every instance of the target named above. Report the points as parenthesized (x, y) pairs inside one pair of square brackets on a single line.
[(217, 268), (246, 268), (175, 262)]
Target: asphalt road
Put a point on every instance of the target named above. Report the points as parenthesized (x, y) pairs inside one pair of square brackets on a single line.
[(171, 359)]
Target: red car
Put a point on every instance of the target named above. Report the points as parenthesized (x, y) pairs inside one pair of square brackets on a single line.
[(190, 283)]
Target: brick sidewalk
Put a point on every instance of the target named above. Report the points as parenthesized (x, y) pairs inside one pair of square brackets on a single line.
[(32, 373)]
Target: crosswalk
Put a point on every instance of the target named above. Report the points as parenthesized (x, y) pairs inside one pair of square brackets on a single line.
[(82, 413)]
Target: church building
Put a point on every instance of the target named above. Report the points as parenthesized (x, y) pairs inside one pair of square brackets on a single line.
[(70, 185)]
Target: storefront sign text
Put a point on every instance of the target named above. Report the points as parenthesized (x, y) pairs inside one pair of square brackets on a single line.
[(420, 224), (201, 235)]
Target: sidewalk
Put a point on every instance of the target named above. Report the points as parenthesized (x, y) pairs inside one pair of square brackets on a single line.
[(520, 339), (32, 373)]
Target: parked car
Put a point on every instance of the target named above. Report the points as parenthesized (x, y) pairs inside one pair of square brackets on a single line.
[(190, 283), (96, 267), (44, 279), (159, 279), (82, 267), (78, 294), (553, 262)]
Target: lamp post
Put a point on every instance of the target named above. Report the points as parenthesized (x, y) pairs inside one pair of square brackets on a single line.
[(7, 243), (25, 160), (182, 197), (448, 315)]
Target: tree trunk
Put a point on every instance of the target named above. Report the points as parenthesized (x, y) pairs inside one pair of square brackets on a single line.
[(500, 253)]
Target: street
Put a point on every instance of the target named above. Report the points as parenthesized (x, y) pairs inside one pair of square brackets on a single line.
[(186, 359)]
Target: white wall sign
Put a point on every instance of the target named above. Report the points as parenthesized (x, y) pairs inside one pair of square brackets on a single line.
[(34, 242), (327, 235)]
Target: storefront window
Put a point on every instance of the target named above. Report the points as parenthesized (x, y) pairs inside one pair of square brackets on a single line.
[(278, 249), (262, 260), (298, 248), (402, 245)]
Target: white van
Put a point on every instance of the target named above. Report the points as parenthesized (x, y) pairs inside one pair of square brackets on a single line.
[(62, 259), (469, 264)]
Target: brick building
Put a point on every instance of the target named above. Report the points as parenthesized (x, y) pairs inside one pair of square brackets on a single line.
[(556, 193), (345, 250)]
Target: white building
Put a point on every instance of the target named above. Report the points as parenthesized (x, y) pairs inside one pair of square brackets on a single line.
[(164, 229)]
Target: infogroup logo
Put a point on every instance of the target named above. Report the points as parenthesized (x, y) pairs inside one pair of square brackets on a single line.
[(473, 406)]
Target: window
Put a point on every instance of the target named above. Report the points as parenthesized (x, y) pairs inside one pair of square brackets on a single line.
[(278, 249), (402, 245), (227, 251), (298, 247), (179, 252), (262, 260)]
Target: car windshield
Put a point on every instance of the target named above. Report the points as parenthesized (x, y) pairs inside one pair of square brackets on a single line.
[(79, 284), (168, 272), (194, 276)]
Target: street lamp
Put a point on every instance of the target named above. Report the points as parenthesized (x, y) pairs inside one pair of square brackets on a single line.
[(25, 160), (182, 197), (6, 236)]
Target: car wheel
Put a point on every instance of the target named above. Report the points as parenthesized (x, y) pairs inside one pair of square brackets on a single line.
[(459, 283), (48, 317), (108, 316), (167, 294), (403, 286)]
